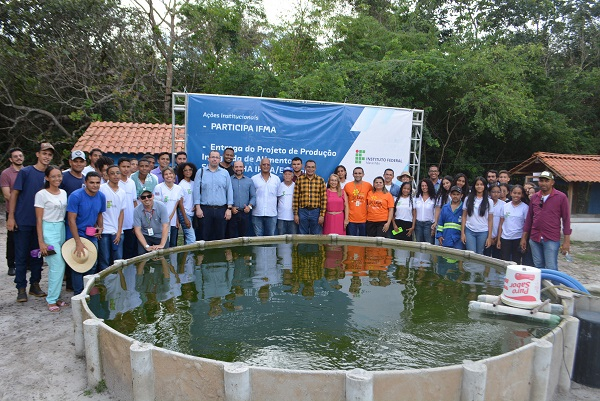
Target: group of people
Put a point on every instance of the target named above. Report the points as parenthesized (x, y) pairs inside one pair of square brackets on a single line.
[(128, 208), (495, 218)]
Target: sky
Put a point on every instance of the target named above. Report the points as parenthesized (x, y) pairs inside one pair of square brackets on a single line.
[(276, 8)]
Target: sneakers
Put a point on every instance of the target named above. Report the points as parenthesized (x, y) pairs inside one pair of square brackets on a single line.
[(36, 291), (22, 295)]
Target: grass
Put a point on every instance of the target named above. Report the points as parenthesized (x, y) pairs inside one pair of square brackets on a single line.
[(588, 252), (99, 388), (585, 257)]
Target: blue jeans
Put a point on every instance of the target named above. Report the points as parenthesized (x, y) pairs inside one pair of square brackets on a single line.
[(77, 278), (475, 241), (264, 225), (309, 221), (108, 252), (286, 227), (545, 254), (26, 240), (423, 232), (173, 237), (189, 234), (357, 229)]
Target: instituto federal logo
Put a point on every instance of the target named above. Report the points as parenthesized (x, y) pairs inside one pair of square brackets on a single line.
[(359, 156)]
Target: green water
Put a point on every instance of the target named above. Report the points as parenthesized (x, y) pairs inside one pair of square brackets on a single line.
[(312, 306)]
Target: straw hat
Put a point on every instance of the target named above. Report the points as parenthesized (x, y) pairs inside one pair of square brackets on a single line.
[(404, 173), (86, 261)]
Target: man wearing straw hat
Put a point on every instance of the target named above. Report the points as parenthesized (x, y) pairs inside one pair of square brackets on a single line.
[(84, 215)]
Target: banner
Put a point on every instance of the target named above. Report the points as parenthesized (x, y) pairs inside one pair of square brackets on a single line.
[(374, 138)]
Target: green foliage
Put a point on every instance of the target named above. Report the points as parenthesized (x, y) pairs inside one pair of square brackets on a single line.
[(497, 80)]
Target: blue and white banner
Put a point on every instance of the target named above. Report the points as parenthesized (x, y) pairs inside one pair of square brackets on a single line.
[(374, 138)]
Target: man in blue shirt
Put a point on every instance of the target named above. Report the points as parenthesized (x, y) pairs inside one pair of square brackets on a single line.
[(73, 179), (244, 199), (21, 220), (434, 176), (388, 178), (84, 214), (213, 197)]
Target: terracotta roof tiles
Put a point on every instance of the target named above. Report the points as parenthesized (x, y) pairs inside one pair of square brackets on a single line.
[(570, 168), (136, 138)]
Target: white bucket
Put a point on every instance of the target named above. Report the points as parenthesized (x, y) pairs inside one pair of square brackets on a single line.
[(522, 286)]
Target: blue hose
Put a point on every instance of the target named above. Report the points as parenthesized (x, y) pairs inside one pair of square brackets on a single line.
[(563, 278), (578, 286)]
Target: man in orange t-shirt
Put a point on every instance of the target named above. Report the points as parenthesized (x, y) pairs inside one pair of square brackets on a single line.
[(356, 213)]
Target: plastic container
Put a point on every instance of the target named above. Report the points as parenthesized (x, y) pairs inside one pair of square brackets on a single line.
[(522, 286)]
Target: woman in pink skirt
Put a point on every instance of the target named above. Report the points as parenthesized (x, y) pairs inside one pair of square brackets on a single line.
[(337, 204)]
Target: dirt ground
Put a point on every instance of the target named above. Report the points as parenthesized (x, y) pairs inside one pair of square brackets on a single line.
[(38, 359)]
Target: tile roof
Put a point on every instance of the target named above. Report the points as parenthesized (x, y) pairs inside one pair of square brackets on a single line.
[(133, 138), (570, 168)]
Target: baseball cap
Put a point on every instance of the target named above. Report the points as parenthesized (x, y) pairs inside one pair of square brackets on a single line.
[(288, 169), (77, 154), (456, 188), (547, 175), (46, 146)]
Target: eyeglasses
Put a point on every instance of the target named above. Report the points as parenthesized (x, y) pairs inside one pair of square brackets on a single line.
[(542, 203), (143, 197)]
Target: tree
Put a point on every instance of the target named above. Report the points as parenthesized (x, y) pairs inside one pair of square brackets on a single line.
[(64, 64)]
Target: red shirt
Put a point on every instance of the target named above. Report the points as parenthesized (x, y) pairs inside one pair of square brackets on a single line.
[(544, 221), (7, 179)]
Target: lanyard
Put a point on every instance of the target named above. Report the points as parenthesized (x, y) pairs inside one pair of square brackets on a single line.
[(148, 219)]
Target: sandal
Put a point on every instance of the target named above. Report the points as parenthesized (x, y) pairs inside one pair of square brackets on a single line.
[(54, 308), (61, 303)]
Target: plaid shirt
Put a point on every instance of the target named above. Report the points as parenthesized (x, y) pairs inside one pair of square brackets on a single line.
[(310, 193)]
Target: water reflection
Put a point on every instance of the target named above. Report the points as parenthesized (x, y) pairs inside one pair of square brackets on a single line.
[(311, 306)]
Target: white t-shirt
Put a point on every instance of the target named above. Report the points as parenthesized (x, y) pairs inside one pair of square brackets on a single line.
[(87, 169), (425, 209), (285, 198), (404, 211), (130, 196), (266, 195), (115, 202), (475, 222), (188, 199), (514, 220), (170, 197), (498, 210), (55, 206)]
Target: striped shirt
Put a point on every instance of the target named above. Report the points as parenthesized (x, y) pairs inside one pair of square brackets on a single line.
[(310, 193)]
